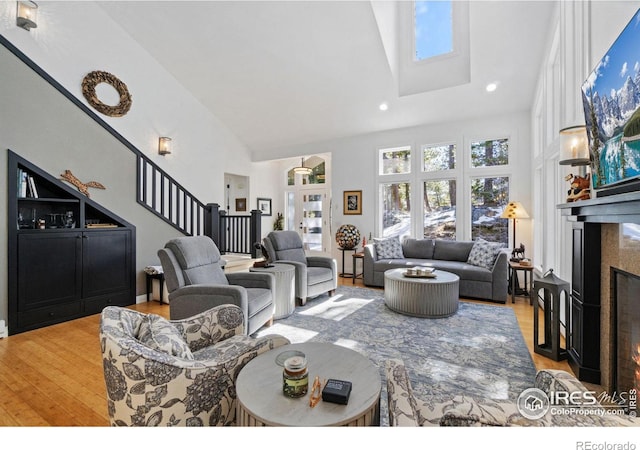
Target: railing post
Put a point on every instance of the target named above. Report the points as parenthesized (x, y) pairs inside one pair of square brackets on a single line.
[(212, 222), (255, 233), (223, 228)]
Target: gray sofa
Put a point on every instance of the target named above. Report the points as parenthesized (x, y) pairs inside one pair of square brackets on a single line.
[(451, 256)]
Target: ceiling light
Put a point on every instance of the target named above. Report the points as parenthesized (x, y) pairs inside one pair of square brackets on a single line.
[(491, 87), (302, 170), (383, 106)]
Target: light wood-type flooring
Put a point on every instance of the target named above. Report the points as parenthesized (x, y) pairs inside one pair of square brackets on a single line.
[(53, 376)]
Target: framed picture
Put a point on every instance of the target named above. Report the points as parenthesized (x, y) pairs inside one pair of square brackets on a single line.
[(264, 205), (352, 202), (241, 204)]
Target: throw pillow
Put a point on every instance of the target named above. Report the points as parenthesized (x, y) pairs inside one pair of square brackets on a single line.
[(388, 248), (159, 334), (484, 254)]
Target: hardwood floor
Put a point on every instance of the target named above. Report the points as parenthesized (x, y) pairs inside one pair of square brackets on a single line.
[(53, 376)]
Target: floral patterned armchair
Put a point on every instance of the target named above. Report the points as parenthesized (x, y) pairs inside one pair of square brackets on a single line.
[(180, 372), (407, 410)]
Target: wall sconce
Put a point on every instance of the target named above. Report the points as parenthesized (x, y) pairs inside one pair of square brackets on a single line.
[(26, 14), (574, 147), (302, 170), (164, 146)]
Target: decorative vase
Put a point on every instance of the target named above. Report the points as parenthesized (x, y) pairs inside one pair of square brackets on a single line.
[(348, 236)]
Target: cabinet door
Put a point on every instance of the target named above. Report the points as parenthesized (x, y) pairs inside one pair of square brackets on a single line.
[(106, 262), (48, 269)]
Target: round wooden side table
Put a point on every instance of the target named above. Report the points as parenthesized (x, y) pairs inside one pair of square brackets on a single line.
[(261, 402), (285, 275)]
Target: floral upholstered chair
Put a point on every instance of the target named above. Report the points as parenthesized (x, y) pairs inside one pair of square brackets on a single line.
[(175, 373), (405, 409)]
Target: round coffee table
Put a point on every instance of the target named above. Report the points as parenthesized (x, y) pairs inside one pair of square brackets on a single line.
[(285, 300), (422, 297), (260, 400)]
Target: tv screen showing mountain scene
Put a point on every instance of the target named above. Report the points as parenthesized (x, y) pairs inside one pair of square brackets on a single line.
[(611, 100)]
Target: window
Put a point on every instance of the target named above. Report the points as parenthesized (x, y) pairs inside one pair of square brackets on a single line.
[(440, 157), (440, 209), (490, 153), (396, 209), (489, 196), (317, 175), (433, 29), (395, 160)]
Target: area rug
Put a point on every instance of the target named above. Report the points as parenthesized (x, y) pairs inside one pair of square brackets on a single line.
[(478, 351)]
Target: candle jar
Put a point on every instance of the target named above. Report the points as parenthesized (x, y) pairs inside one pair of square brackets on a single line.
[(295, 377)]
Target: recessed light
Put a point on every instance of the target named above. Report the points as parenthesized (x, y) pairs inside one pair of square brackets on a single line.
[(491, 87), (383, 106)]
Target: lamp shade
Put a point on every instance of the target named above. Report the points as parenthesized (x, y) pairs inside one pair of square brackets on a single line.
[(514, 210), (574, 146)]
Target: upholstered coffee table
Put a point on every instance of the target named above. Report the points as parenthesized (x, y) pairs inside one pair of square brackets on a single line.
[(260, 400), (422, 297)]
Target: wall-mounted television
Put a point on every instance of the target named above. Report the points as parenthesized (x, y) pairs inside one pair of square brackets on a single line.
[(611, 101)]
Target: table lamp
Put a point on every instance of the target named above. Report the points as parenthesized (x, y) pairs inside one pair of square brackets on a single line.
[(515, 211)]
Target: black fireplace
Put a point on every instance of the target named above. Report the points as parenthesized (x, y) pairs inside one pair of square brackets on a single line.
[(625, 291)]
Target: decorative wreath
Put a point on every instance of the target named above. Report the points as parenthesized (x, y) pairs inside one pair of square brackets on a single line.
[(96, 77)]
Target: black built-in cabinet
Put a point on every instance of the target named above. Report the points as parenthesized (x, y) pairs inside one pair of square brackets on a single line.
[(584, 338), (68, 257)]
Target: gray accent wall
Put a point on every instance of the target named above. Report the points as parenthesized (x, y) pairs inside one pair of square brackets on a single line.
[(43, 126)]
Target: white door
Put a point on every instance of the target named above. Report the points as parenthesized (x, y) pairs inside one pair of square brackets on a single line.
[(308, 214)]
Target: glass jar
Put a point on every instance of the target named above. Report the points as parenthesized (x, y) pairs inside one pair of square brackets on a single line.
[(295, 377)]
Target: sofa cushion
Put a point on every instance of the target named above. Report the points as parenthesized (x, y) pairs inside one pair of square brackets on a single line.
[(484, 254), (452, 250), (159, 334), (418, 248), (388, 248), (287, 246)]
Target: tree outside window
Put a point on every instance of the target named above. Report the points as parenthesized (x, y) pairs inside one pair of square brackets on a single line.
[(489, 196), (395, 160), (490, 153), (439, 209), (396, 209)]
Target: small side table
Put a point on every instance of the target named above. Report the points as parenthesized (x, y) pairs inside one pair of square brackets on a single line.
[(514, 267), (357, 256), (150, 278), (285, 275), (343, 274)]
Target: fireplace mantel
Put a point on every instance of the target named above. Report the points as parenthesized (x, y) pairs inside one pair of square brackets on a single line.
[(619, 208)]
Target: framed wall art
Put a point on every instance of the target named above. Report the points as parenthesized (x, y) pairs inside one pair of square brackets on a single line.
[(264, 205), (241, 204), (352, 202)]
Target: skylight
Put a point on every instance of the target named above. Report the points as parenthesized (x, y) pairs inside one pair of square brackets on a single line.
[(433, 29)]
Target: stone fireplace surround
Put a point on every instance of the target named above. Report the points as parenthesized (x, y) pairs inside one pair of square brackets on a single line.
[(621, 252), (618, 250)]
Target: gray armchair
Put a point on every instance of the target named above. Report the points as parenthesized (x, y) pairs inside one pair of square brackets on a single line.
[(196, 282), (315, 275)]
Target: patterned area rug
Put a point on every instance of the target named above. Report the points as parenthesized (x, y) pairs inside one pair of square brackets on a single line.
[(478, 351)]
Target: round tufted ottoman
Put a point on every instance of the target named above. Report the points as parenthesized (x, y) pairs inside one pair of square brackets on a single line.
[(422, 297)]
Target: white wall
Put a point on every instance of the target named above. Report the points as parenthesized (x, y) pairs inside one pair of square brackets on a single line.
[(75, 38)]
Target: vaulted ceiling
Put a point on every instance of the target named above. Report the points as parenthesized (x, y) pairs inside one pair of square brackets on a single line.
[(283, 73)]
